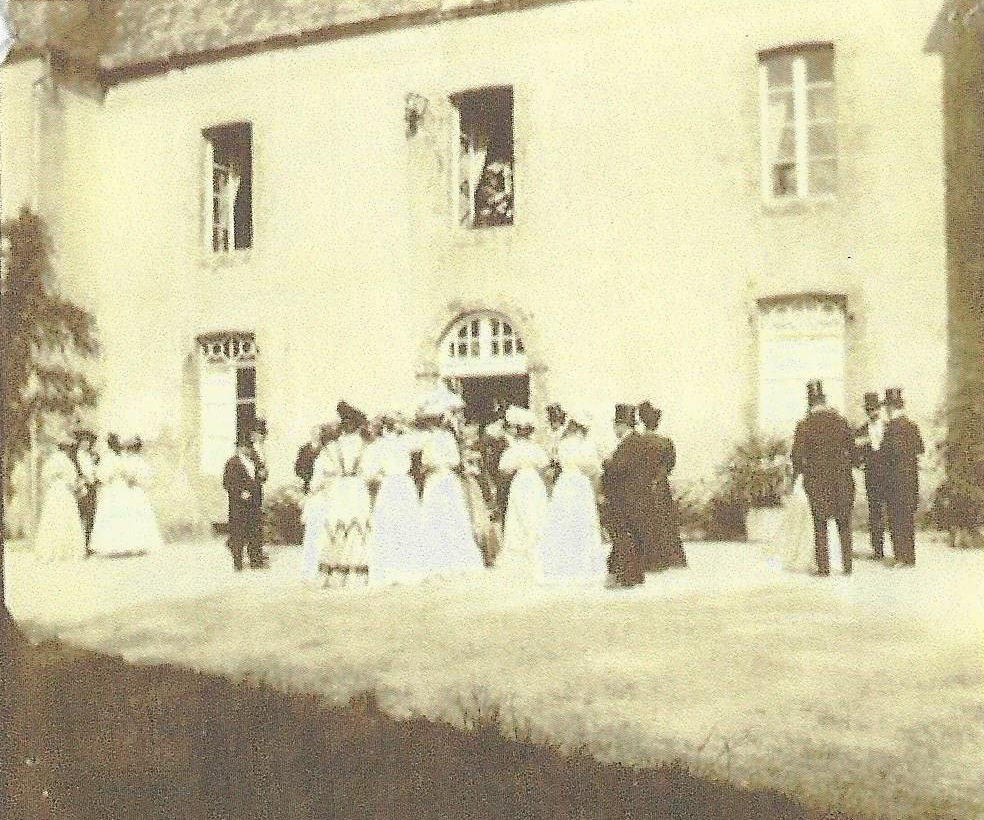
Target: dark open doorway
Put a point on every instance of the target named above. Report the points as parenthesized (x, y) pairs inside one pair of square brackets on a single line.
[(481, 393)]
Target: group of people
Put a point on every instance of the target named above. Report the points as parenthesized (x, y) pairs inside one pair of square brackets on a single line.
[(95, 503), (826, 450), (403, 497)]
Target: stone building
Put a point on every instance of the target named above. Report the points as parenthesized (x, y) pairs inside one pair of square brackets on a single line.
[(273, 205)]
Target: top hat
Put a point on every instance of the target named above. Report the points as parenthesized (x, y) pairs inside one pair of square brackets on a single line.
[(814, 393), (625, 414), (871, 401), (649, 415), (893, 397), (85, 434)]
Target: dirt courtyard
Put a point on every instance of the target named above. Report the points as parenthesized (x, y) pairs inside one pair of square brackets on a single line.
[(864, 694)]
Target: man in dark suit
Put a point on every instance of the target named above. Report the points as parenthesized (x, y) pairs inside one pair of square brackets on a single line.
[(241, 480), (668, 548), (902, 446), (823, 451), (868, 439), (626, 482), (306, 455)]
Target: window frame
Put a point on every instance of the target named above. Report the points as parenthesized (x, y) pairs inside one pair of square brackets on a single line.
[(459, 100), (800, 88), (225, 353), (209, 169)]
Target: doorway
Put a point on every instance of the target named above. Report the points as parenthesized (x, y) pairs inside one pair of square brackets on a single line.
[(482, 394)]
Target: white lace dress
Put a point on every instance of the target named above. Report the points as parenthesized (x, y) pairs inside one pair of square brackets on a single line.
[(145, 532), (396, 552), (59, 535), (449, 541), (793, 543), (571, 548), (314, 546), (111, 529), (349, 509), (526, 509)]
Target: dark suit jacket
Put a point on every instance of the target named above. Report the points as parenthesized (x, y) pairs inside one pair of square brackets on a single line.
[(824, 452), (902, 446), (873, 461), (628, 476), (304, 464), (237, 481)]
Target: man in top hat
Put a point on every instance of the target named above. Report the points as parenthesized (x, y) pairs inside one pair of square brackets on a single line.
[(902, 446), (667, 547), (241, 481), (824, 453), (627, 484), (868, 439)]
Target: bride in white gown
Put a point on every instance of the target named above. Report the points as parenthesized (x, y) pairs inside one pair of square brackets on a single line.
[(793, 543)]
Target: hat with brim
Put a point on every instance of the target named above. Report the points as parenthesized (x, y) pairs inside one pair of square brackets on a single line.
[(871, 401), (893, 397), (350, 415)]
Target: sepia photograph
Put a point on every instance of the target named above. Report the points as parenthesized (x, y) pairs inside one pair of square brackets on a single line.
[(492, 410)]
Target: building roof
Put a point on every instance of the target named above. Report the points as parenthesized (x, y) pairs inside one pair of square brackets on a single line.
[(120, 38)]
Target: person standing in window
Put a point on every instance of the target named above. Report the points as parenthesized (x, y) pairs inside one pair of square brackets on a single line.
[(903, 444), (868, 439), (241, 481)]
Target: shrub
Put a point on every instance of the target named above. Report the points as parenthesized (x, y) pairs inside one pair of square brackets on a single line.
[(282, 516), (758, 472)]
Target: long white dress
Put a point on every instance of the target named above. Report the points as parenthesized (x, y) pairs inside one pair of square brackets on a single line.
[(395, 537), (793, 542), (145, 532), (111, 531), (59, 536), (449, 542), (314, 513), (571, 548), (526, 509), (349, 509)]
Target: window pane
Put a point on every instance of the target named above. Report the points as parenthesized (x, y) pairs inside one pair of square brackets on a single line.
[(780, 70), (785, 148), (519, 346), (820, 102), (495, 327), (462, 349), (507, 347), (495, 348), (822, 140), (474, 348), (246, 383), (823, 176), (784, 179), (819, 65), (463, 332), (781, 107), (474, 327)]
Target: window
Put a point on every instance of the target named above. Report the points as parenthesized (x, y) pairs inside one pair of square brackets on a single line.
[(228, 394), (483, 344), (799, 338), (229, 183), (483, 158), (799, 147)]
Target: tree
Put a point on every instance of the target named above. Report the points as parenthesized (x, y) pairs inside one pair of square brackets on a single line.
[(44, 342)]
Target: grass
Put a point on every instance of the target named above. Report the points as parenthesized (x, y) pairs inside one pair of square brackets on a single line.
[(97, 738)]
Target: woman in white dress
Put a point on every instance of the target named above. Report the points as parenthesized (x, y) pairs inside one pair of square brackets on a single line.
[(59, 535), (315, 506), (145, 533), (449, 541), (794, 544), (572, 549), (349, 510), (526, 509), (111, 527), (395, 539)]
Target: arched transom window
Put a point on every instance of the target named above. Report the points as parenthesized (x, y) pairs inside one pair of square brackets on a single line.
[(482, 344)]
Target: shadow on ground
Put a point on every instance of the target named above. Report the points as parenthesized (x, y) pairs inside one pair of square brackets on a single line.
[(97, 738)]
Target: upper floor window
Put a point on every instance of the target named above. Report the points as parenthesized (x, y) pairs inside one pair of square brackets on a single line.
[(799, 146), (229, 185), (483, 165)]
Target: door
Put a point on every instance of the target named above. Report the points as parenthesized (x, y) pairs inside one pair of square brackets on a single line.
[(482, 395)]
